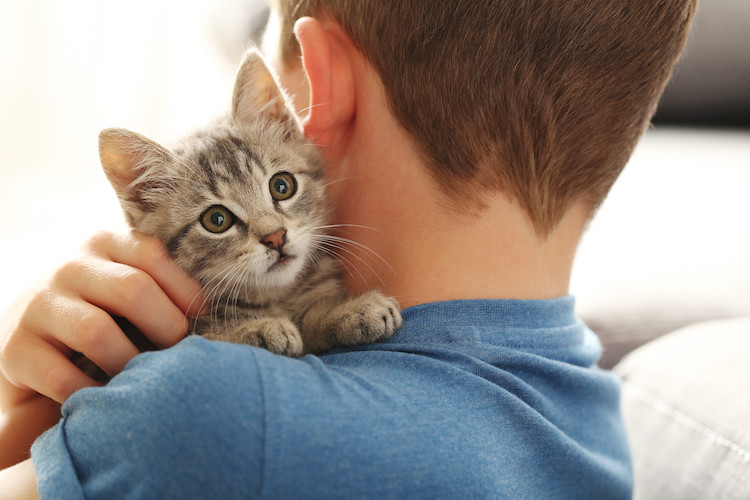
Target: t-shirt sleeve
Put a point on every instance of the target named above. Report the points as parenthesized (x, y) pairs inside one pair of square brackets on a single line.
[(425, 416), (163, 428)]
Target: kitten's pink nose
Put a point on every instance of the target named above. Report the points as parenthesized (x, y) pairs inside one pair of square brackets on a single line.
[(275, 240)]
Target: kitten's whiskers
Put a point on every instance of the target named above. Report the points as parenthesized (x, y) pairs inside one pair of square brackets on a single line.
[(326, 241), (341, 259), (343, 240), (209, 292)]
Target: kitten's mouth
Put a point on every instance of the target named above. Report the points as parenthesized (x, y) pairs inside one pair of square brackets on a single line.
[(282, 262)]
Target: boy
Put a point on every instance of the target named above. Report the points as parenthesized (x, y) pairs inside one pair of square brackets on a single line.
[(475, 142)]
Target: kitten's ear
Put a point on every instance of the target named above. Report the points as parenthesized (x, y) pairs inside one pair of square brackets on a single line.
[(132, 164), (258, 92)]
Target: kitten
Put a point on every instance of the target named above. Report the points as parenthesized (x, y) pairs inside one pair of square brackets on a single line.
[(240, 206)]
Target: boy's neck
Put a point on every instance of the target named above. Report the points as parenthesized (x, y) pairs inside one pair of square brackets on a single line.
[(429, 255), (418, 249)]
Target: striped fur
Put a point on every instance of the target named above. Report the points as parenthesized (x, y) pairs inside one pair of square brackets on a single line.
[(271, 278)]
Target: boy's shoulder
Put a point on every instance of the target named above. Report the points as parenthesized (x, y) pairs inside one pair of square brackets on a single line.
[(449, 405)]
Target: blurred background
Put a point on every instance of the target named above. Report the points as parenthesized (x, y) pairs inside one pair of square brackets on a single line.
[(670, 246), (69, 69)]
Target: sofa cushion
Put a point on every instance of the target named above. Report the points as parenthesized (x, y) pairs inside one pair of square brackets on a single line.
[(686, 402), (669, 247)]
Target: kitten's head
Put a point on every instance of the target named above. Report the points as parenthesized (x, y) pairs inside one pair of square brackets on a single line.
[(239, 204)]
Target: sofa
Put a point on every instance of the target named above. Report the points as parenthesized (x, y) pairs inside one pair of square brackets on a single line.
[(663, 274)]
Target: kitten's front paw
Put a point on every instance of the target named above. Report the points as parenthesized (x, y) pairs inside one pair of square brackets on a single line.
[(278, 335), (369, 318)]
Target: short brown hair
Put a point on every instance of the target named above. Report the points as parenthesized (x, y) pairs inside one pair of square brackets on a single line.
[(542, 99)]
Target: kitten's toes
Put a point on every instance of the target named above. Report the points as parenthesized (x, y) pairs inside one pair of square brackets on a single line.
[(376, 319), (278, 335)]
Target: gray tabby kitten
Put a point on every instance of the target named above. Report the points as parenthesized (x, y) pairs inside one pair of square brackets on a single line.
[(241, 206)]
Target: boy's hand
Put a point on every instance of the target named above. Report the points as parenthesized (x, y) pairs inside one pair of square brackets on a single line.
[(125, 275)]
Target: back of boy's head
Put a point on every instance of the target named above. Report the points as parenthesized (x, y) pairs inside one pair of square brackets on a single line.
[(542, 99)]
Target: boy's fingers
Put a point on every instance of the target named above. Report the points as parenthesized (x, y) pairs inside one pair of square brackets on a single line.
[(82, 327), (124, 291), (46, 370), (150, 255)]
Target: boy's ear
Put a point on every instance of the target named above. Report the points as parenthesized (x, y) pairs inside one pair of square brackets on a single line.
[(330, 77), (257, 92), (135, 166)]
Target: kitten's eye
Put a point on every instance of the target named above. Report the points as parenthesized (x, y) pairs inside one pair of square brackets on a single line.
[(217, 219), (282, 186)]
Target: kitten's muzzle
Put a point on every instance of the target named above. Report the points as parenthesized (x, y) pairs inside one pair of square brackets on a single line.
[(276, 241)]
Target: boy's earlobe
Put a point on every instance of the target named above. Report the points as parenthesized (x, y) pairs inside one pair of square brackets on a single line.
[(330, 77)]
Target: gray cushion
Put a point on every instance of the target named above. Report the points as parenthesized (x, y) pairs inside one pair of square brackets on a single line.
[(686, 402)]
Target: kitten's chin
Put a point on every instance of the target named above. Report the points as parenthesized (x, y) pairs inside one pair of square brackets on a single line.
[(281, 264), (283, 272)]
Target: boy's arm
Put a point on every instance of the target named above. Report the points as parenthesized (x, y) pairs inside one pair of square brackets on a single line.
[(126, 275), (19, 482), (21, 425), (40, 331)]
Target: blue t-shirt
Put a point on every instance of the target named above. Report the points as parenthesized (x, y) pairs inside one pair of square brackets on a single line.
[(469, 399)]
